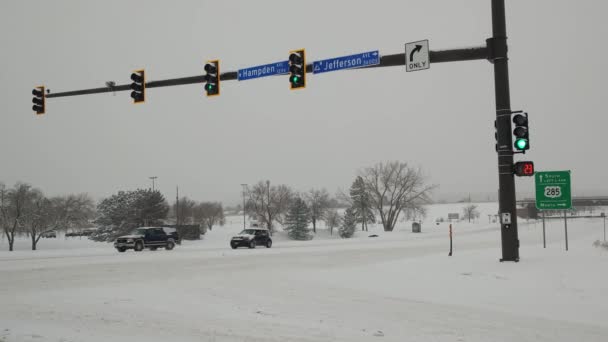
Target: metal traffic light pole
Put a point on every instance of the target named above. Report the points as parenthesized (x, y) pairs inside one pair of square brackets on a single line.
[(495, 51)]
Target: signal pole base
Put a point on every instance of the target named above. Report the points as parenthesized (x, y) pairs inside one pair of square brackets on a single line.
[(514, 260)]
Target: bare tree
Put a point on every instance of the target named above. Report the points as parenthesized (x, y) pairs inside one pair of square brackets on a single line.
[(470, 212), (268, 203), (209, 214), (332, 220), (57, 213), (13, 209), (318, 203), (394, 187)]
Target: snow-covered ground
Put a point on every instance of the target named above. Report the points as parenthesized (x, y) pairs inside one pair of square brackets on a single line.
[(399, 286)]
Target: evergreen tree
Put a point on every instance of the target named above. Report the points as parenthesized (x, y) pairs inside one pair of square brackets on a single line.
[(297, 220), (361, 203), (349, 224), (120, 213)]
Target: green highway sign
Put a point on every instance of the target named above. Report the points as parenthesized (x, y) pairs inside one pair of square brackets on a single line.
[(553, 190)]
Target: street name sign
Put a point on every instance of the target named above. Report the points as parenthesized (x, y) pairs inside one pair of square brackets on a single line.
[(347, 62), (553, 190), (417, 56), (271, 69)]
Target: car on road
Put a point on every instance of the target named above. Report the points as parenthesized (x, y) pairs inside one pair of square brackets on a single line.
[(145, 237), (172, 232), (49, 234), (251, 237)]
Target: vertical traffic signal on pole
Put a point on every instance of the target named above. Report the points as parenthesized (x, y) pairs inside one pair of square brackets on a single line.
[(212, 78), (138, 86), (521, 138), (297, 69), (524, 169), (39, 100)]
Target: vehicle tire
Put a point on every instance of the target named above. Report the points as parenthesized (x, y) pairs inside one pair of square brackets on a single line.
[(268, 243), (121, 249), (252, 244), (170, 245), (139, 246), (233, 245), (153, 248)]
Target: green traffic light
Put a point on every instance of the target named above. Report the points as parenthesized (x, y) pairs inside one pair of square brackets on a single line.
[(210, 86), (295, 79), (521, 144)]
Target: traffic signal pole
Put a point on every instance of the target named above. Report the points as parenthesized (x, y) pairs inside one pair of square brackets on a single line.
[(398, 59), (497, 49)]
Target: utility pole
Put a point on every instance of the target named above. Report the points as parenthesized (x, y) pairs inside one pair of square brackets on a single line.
[(176, 206), (153, 178), (497, 51), (244, 189)]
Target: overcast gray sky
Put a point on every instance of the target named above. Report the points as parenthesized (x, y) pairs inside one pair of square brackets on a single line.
[(440, 119)]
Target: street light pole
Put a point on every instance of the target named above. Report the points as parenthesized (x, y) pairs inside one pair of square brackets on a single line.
[(153, 178), (244, 189)]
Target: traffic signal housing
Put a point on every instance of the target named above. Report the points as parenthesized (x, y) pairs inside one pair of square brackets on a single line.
[(39, 100), (212, 78), (297, 69), (521, 135), (138, 86), (524, 169)]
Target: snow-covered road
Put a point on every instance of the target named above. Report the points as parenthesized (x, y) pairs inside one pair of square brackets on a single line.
[(397, 287)]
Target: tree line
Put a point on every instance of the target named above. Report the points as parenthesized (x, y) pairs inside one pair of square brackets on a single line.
[(385, 191), (120, 213), (26, 210)]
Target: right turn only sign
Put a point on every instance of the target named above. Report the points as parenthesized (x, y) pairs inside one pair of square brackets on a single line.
[(417, 56)]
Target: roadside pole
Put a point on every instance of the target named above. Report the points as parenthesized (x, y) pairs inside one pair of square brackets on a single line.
[(604, 216), (450, 240), (566, 228), (544, 235)]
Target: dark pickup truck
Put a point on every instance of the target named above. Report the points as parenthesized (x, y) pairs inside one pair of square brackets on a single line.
[(146, 237)]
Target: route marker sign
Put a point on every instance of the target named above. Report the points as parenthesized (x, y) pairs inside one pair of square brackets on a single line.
[(347, 62), (417, 56), (278, 68), (553, 190)]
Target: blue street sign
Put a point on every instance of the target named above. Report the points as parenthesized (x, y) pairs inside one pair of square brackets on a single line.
[(277, 68), (347, 62)]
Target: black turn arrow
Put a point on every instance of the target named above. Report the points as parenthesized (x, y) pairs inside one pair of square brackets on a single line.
[(417, 49)]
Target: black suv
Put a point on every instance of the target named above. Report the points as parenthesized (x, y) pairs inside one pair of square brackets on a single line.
[(252, 237), (145, 237)]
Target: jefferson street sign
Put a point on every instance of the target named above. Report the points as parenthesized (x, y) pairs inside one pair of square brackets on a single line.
[(347, 62), (553, 190), (277, 68)]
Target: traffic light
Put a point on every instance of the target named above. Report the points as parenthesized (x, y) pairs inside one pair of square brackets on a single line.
[(138, 86), (38, 100), (297, 69), (521, 139), (212, 68), (524, 168)]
